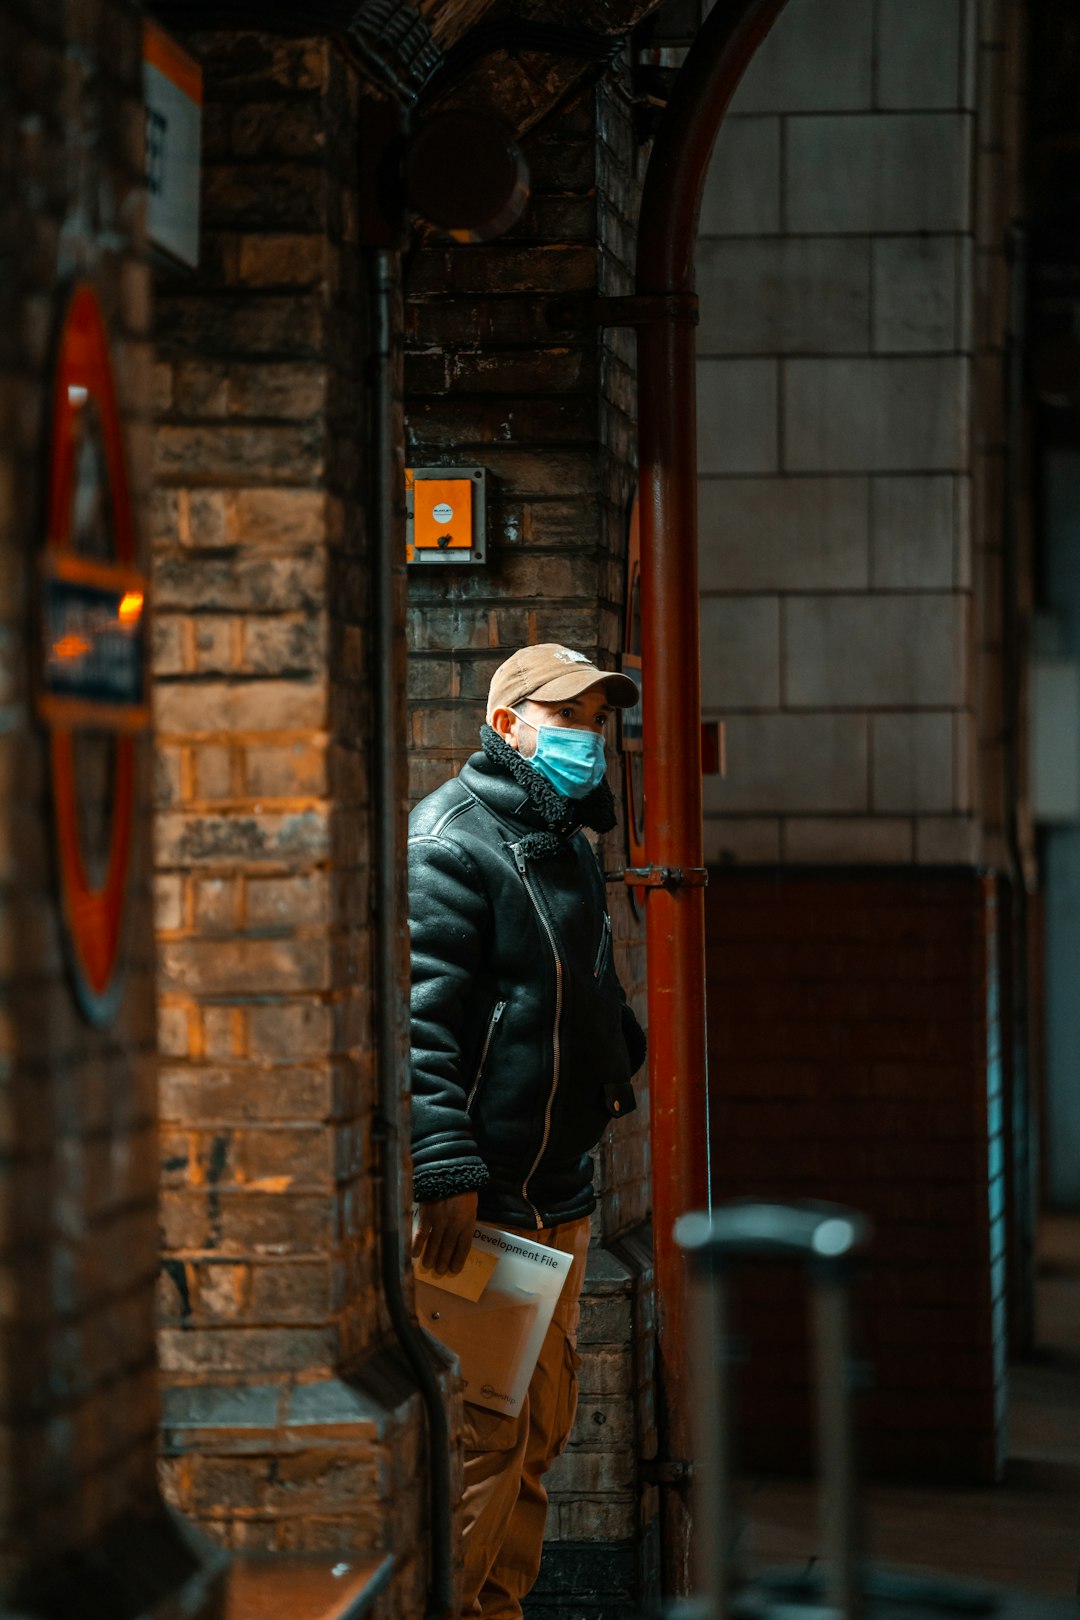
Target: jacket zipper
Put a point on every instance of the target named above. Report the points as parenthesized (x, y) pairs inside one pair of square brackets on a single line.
[(519, 862), (496, 1013), (602, 948)]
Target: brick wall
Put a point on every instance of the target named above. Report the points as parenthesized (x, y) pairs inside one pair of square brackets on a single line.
[(78, 1184), (851, 270), (262, 663), (855, 1055), (551, 415)]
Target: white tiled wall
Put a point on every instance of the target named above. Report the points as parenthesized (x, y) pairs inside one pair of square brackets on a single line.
[(848, 380)]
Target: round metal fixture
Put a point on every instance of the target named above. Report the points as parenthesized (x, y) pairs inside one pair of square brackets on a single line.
[(465, 173)]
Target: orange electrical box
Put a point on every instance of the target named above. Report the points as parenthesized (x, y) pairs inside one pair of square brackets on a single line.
[(442, 514), (445, 515)]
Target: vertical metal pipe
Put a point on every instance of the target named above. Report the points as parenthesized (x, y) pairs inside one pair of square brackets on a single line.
[(839, 1508), (667, 237), (391, 912), (714, 1494)]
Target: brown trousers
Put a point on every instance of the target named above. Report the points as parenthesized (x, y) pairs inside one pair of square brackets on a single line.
[(505, 1503)]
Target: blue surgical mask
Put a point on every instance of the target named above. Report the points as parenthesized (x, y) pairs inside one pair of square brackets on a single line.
[(570, 759)]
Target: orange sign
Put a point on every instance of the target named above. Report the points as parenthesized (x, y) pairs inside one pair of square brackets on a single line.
[(91, 678), (442, 513)]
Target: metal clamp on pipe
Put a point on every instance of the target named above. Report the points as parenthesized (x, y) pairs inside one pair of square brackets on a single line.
[(661, 877), (666, 1471)]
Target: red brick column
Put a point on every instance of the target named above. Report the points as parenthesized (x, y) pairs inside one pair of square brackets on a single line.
[(80, 1515), (855, 1056), (270, 1295)]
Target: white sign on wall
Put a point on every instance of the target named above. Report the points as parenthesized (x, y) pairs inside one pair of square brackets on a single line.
[(172, 87)]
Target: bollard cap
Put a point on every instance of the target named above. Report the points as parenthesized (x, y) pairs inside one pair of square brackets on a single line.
[(747, 1229)]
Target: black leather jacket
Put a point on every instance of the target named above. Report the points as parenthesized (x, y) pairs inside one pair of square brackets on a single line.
[(523, 1044)]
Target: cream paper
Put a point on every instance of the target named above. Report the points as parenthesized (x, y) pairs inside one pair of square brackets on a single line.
[(497, 1337)]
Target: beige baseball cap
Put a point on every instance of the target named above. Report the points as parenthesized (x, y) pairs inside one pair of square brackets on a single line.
[(550, 673)]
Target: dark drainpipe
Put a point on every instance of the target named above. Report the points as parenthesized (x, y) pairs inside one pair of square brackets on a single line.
[(391, 936), (667, 238)]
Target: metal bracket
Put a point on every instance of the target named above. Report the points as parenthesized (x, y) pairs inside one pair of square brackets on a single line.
[(666, 1471), (661, 877), (632, 310)]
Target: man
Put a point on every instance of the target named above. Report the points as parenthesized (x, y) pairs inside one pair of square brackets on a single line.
[(523, 1051)]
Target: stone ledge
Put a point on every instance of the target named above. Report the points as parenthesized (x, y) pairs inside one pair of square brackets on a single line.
[(366, 1405), (324, 1587), (297, 1469)]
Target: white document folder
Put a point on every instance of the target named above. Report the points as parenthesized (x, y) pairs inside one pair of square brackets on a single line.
[(498, 1337)]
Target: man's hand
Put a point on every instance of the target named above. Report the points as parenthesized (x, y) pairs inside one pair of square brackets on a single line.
[(444, 1233)]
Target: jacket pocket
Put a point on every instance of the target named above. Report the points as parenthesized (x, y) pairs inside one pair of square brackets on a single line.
[(489, 1034), (619, 1099), (482, 1430), (603, 950), (565, 1403)]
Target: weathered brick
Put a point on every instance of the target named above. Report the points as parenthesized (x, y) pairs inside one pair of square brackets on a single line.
[(606, 1425), (173, 1034), (212, 773), (221, 1289), (238, 583), (169, 650), (296, 1291), (288, 391), (222, 1033), (288, 902), (247, 64), (193, 707), (283, 196), (285, 646), (275, 1223), (215, 904), (237, 965), (271, 325), (215, 645), (200, 387), (519, 371), (193, 840), (276, 260), (253, 1092), (230, 452), (610, 1519), (277, 517), (593, 1472), (297, 769), (604, 1320), (168, 902), (289, 1032), (272, 129), (296, 1155), (205, 517), (450, 426), (325, 1478)]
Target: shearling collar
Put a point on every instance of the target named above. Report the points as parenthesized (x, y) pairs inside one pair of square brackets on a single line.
[(556, 817)]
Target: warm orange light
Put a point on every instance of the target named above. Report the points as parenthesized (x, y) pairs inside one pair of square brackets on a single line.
[(131, 607), (70, 647)]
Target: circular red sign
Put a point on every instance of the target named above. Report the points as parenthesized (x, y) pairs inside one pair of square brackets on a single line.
[(91, 687)]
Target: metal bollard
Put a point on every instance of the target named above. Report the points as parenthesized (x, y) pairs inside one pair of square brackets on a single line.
[(824, 1239)]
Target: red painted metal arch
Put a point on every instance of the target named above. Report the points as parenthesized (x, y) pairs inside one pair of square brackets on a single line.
[(667, 445)]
